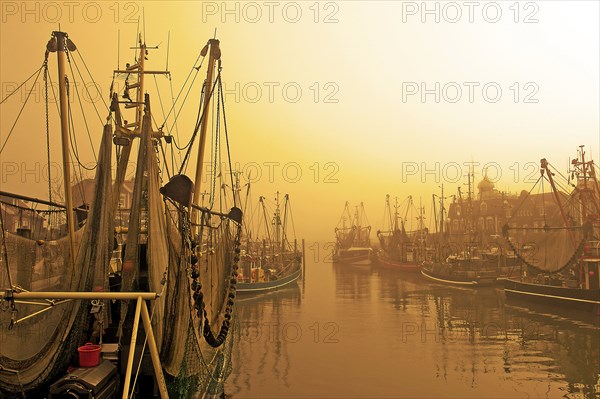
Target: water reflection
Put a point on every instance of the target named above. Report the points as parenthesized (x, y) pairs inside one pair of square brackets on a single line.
[(261, 338), (399, 335), (540, 349), (352, 281)]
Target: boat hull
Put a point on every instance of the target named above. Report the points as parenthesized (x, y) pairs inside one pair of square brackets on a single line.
[(264, 286), (354, 256), (388, 263), (585, 300), (458, 280)]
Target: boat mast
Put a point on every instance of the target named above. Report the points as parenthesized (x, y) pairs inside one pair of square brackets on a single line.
[(61, 42), (136, 127), (276, 221), (214, 55), (544, 164), (409, 206), (395, 214), (590, 207), (286, 198), (434, 212), (126, 131), (442, 212), (585, 188), (471, 221), (421, 234), (266, 219)]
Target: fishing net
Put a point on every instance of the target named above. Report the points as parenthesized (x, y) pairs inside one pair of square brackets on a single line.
[(345, 237), (557, 239), (550, 250), (194, 365), (34, 350), (191, 365)]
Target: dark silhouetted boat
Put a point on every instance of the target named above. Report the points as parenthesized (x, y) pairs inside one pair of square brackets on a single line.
[(463, 259), (270, 261), (560, 256), (353, 246), (401, 249)]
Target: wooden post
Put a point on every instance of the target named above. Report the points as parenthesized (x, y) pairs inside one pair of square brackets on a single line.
[(160, 378), (136, 323)]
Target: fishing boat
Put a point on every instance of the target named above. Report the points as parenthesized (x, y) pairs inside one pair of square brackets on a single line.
[(70, 323), (464, 269), (561, 253), (269, 259), (353, 246), (465, 258), (401, 249)]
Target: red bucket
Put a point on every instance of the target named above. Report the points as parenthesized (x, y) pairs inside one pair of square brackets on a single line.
[(89, 355)]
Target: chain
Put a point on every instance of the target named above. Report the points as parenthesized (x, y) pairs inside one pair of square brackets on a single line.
[(47, 128), (13, 315), (198, 296)]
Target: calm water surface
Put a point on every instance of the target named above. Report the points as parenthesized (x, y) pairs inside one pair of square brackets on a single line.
[(362, 332)]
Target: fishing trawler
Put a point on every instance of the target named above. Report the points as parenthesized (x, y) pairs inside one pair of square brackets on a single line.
[(178, 271), (561, 253), (353, 246), (270, 260), (402, 250), (469, 252)]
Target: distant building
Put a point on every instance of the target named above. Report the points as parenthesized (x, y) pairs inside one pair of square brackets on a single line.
[(22, 217), (19, 217), (83, 194), (490, 210)]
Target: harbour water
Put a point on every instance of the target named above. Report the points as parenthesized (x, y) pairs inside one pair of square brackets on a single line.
[(362, 332)]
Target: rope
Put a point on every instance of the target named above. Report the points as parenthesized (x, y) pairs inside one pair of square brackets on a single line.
[(227, 138), (81, 105), (5, 251), (92, 78), (72, 138), (199, 121), (175, 121), (183, 86), (159, 97), (26, 80), (54, 94), (165, 158), (39, 71), (514, 212)]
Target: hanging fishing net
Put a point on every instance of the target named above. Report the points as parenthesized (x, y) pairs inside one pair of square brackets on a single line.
[(40, 338)]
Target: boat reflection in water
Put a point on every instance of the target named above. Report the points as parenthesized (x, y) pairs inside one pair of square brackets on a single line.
[(478, 334), (389, 334), (262, 340), (352, 282)]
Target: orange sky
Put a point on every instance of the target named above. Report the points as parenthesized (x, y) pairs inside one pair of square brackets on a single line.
[(359, 128)]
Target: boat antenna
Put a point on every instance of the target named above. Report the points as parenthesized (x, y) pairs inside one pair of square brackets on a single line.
[(118, 47), (168, 47), (215, 35), (137, 34), (144, 22)]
